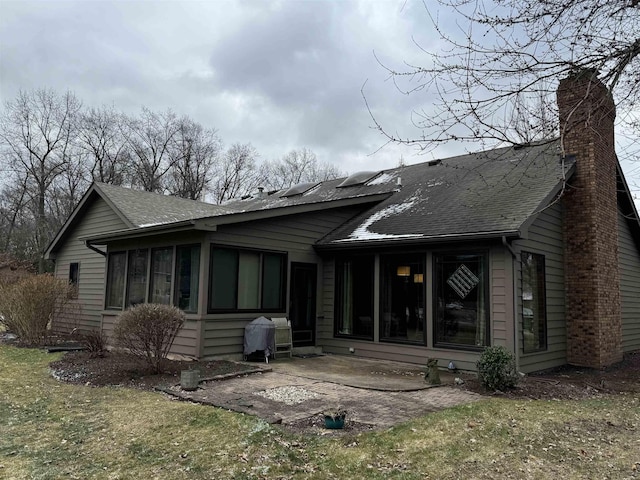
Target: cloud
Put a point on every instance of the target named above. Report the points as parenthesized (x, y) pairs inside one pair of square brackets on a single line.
[(281, 75)]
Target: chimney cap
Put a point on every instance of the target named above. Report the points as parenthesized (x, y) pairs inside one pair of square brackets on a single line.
[(582, 72)]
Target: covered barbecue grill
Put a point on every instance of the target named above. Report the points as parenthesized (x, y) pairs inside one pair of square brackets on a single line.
[(259, 336)]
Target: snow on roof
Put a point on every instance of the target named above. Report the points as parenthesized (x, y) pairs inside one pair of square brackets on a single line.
[(156, 223), (362, 232), (384, 178)]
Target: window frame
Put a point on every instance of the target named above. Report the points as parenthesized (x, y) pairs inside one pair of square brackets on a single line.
[(484, 255), (109, 286), (176, 275), (283, 281), (339, 263), (150, 278), (129, 275), (74, 279), (542, 272), (415, 258)]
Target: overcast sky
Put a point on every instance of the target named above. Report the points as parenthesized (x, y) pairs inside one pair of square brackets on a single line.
[(281, 75)]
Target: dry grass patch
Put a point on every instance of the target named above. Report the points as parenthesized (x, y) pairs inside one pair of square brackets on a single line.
[(51, 430)]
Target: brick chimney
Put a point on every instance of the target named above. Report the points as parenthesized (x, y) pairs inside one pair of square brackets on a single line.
[(592, 277)]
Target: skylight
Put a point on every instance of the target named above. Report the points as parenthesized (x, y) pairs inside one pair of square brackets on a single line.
[(299, 189), (358, 178)]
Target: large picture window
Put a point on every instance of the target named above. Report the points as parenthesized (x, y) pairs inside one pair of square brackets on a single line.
[(460, 300), (187, 277), (402, 315), (534, 317), (246, 280), (354, 297)]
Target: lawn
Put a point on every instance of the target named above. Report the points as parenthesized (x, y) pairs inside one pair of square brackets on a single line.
[(51, 430)]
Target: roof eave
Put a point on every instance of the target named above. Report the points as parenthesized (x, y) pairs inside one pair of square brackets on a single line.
[(210, 224), (435, 239), (554, 195), (53, 246), (262, 214), (625, 196), (129, 233)]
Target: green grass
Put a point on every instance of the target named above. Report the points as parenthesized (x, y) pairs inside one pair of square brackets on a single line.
[(50, 430)]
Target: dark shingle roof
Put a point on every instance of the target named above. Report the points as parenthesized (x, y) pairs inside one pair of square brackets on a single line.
[(479, 194), (324, 192), (144, 209), (488, 193)]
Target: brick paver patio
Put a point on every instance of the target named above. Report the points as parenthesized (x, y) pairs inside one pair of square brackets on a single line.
[(374, 392)]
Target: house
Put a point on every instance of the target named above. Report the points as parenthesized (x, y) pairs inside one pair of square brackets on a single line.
[(536, 248)]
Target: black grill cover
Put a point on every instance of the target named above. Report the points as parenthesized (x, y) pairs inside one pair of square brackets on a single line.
[(259, 335)]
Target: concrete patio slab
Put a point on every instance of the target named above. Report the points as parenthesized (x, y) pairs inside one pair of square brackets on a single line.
[(376, 393)]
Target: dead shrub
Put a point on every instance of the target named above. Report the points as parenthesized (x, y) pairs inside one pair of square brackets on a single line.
[(94, 341), (29, 305), (148, 331)]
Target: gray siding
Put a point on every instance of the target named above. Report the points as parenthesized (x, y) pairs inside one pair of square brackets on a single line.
[(629, 260), (223, 334), (501, 293), (99, 217), (184, 344), (545, 237)]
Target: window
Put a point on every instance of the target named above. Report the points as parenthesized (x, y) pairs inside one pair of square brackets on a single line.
[(160, 288), (534, 317), (273, 281), (246, 280), (354, 297), (187, 277), (402, 299), (115, 279), (74, 269), (137, 277), (460, 300)]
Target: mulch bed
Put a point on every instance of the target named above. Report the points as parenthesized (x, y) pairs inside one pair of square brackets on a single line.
[(572, 383), (126, 370), (565, 383)]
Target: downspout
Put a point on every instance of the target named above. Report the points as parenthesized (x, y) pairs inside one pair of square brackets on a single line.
[(91, 247), (514, 294)]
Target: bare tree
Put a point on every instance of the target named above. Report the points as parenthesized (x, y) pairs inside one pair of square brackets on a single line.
[(502, 57), (150, 138), (297, 166), (101, 137), (236, 175), (194, 154), (67, 190), (37, 130), (13, 198)]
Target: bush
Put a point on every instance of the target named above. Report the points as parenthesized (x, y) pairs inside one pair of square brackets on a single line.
[(94, 341), (497, 368), (28, 306), (148, 331)]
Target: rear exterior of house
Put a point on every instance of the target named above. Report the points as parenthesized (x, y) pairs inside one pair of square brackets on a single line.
[(518, 247), (227, 278)]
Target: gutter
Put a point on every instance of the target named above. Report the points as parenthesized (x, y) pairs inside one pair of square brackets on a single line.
[(139, 232), (91, 247), (391, 242)]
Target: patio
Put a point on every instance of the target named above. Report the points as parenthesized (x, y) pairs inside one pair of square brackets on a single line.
[(375, 393)]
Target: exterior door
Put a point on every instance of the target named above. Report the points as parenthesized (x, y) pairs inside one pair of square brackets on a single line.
[(302, 303)]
